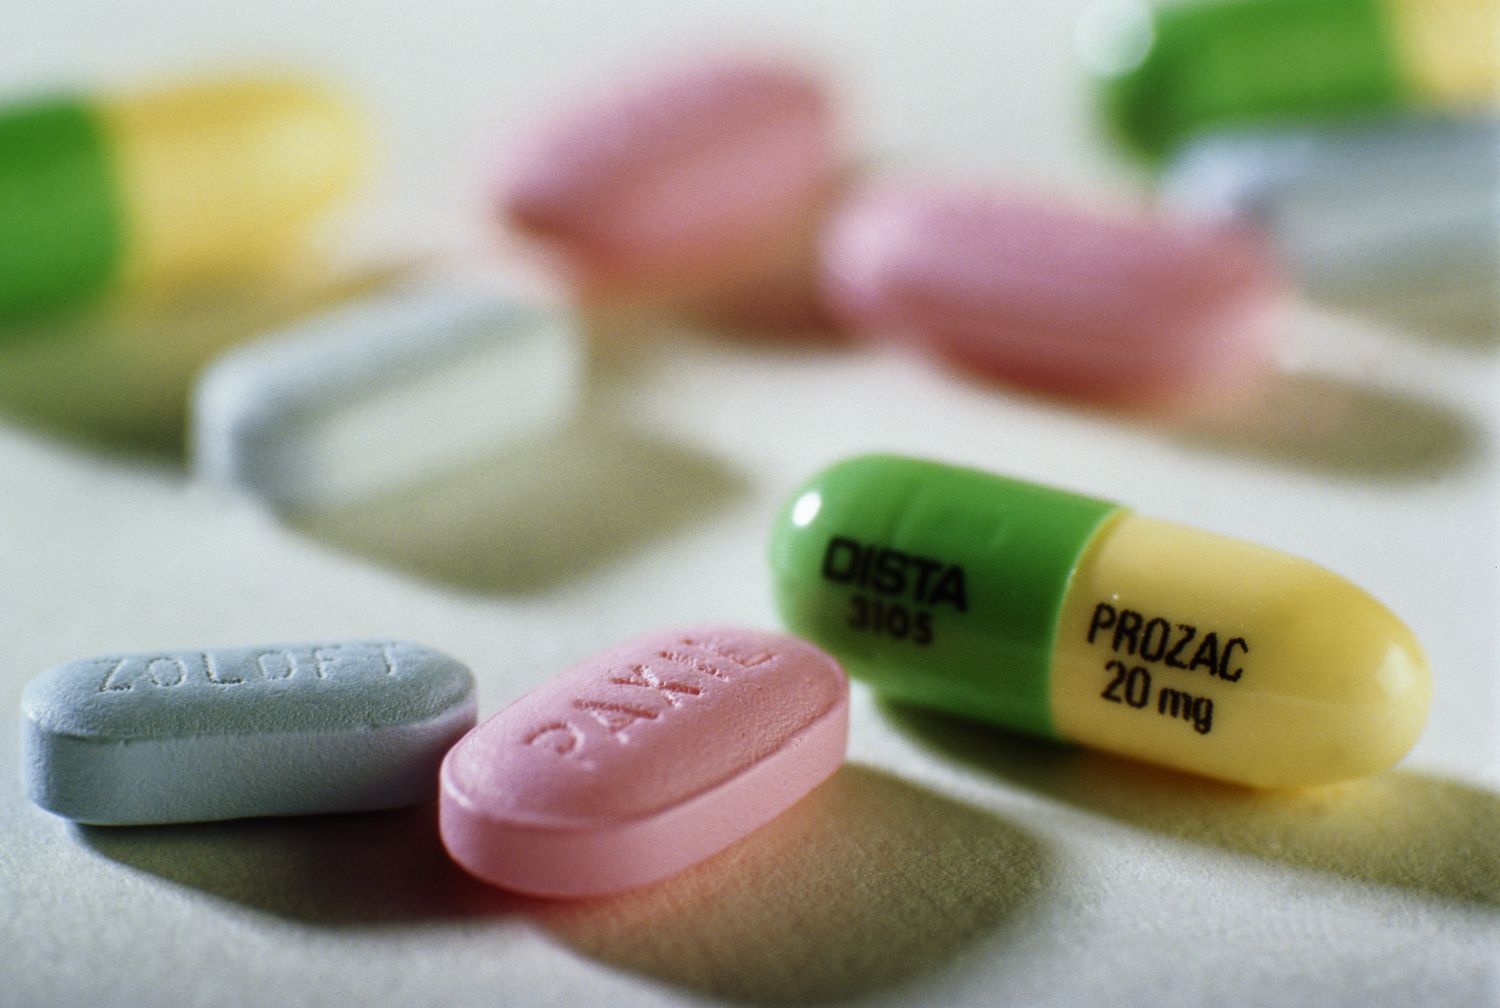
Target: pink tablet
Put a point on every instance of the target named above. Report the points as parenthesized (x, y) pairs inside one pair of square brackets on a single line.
[(682, 185), (643, 760), (1123, 308)]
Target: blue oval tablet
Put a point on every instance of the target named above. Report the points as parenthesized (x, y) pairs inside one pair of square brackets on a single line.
[(225, 733)]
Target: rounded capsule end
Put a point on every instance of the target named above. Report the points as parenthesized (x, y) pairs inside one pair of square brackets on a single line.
[(1369, 689), (1118, 45), (1227, 659)]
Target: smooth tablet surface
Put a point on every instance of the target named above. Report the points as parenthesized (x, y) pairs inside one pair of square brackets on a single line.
[(1393, 209), (382, 393), (1071, 617), (680, 182), (1132, 310), (224, 733), (643, 761)]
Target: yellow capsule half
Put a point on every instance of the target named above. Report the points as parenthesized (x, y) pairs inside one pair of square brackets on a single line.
[(1449, 50), (1225, 658), (226, 177), (1073, 618)]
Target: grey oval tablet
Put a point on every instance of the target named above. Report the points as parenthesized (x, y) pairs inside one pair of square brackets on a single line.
[(384, 392), (225, 733)]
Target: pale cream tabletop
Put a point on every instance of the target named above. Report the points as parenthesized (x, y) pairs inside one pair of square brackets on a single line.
[(945, 864)]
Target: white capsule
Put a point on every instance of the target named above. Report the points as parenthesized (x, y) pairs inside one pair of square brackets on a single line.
[(1401, 210), (386, 392)]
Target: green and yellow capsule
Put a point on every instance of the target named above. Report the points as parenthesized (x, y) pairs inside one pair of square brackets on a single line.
[(153, 191), (1074, 618)]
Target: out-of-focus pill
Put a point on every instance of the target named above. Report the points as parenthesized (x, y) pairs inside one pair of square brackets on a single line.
[(643, 760), (1401, 209), (1070, 617), (1131, 310), (382, 393), (1172, 70), (160, 189), (225, 733), (683, 185)]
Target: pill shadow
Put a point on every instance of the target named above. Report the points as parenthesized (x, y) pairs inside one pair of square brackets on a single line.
[(120, 379), (1340, 428), (366, 868), (866, 884), (1461, 309), (536, 514), (1398, 829)]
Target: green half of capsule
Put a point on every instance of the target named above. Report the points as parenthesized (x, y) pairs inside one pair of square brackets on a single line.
[(60, 209), (1171, 72), (936, 585)]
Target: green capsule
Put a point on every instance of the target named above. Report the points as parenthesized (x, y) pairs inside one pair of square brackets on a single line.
[(1187, 67)]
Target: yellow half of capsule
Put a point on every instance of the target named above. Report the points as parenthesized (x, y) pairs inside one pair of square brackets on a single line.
[(1449, 50), (1305, 679), (222, 179)]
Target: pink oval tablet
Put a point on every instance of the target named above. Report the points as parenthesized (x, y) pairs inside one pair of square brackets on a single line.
[(678, 185), (1129, 310), (643, 760)]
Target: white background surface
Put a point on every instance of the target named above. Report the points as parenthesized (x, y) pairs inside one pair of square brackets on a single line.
[(946, 864)]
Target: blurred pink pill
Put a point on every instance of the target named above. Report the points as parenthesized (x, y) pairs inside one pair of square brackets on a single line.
[(680, 184), (1131, 310), (643, 760)]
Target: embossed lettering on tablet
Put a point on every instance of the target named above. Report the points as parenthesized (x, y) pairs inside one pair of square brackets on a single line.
[(239, 731), (323, 659), (214, 676), (694, 662), (718, 651), (692, 656), (561, 737), (113, 681), (615, 717), (642, 676), (388, 653), (167, 671), (277, 664)]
